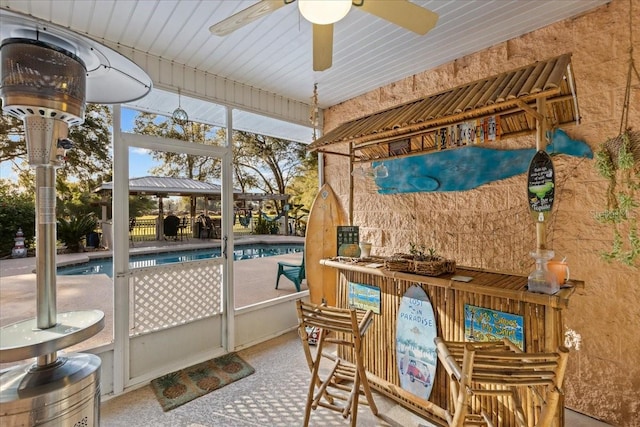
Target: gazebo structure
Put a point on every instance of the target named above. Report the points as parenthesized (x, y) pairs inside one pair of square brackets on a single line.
[(163, 187)]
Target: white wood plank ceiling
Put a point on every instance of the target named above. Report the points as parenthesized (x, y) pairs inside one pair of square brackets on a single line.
[(273, 54)]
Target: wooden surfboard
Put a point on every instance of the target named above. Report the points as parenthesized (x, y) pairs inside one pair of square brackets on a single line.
[(321, 241), (415, 349)]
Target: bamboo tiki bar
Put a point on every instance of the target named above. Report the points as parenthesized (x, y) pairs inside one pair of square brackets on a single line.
[(541, 313)]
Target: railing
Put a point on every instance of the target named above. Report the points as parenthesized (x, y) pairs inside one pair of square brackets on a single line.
[(142, 229), (145, 229), (174, 294)]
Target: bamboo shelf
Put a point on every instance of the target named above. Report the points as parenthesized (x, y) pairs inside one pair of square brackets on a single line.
[(542, 316)]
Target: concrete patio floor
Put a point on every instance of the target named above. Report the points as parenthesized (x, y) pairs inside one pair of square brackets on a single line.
[(274, 396)]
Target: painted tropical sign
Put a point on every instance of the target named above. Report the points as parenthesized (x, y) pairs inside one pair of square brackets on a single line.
[(415, 350), (541, 185), (484, 324), (467, 167), (364, 297)]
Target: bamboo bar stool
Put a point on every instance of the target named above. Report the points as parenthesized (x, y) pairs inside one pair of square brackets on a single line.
[(495, 383), (341, 387)]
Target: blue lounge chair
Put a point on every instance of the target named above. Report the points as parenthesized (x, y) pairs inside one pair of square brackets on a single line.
[(293, 272)]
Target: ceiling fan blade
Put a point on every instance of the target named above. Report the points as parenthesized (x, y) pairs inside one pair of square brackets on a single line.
[(246, 16), (403, 13), (322, 46)]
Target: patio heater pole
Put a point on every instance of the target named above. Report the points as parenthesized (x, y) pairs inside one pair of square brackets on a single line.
[(46, 253)]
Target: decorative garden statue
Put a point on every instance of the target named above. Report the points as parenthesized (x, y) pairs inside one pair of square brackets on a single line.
[(19, 251)]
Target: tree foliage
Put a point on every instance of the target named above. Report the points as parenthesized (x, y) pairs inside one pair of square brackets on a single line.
[(180, 164), (17, 210), (87, 164), (12, 145), (260, 163), (266, 163), (89, 159)]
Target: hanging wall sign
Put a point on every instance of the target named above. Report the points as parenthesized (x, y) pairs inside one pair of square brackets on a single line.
[(541, 186), (363, 297), (483, 324)]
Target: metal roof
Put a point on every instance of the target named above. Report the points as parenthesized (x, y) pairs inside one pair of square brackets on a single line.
[(508, 95), (166, 186)]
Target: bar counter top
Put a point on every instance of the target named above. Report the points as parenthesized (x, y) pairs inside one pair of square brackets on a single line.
[(483, 282)]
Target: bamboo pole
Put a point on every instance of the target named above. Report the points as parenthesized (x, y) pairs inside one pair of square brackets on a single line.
[(351, 158)]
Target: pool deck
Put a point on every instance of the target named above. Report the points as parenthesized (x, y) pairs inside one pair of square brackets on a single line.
[(254, 281)]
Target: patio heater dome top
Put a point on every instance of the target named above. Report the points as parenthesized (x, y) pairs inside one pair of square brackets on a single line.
[(111, 78)]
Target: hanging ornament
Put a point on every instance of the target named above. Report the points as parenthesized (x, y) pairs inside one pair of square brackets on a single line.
[(179, 115)]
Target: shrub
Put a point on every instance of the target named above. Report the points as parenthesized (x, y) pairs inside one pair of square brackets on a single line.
[(17, 210)]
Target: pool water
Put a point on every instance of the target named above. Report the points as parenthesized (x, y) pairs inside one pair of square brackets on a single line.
[(105, 265)]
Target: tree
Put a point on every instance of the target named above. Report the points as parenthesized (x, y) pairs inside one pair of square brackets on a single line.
[(141, 205), (86, 164), (88, 159), (267, 163), (304, 186), (12, 145), (260, 163), (303, 189), (180, 164)]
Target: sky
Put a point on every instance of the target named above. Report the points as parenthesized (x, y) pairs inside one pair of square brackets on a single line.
[(140, 161)]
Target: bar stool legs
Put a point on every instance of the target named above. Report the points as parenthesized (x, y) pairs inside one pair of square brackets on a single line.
[(340, 387)]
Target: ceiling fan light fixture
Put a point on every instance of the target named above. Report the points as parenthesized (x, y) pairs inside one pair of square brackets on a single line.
[(324, 12)]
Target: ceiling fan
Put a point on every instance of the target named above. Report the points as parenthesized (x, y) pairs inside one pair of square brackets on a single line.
[(324, 13)]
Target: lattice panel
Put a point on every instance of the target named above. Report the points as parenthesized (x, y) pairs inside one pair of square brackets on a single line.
[(174, 294)]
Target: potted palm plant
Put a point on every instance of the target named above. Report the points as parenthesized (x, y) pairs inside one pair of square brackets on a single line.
[(73, 230)]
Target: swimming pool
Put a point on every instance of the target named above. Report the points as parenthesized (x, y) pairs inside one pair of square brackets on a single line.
[(105, 265)]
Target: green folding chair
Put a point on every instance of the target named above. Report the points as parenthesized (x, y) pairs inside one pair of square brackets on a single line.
[(293, 272)]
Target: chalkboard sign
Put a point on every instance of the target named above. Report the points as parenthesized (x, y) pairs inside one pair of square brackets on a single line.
[(348, 239), (541, 186)]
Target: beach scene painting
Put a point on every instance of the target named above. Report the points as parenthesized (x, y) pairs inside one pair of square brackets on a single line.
[(484, 324), (415, 350)]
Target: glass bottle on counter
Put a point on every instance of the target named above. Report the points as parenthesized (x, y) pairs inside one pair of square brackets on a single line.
[(541, 280)]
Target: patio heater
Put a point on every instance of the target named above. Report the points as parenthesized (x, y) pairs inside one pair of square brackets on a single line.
[(47, 76)]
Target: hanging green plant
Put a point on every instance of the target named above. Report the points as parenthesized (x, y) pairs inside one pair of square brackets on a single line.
[(618, 160)]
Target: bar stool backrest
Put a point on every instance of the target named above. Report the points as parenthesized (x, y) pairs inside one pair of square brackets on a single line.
[(489, 379)]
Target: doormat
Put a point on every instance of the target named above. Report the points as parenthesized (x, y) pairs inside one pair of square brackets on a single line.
[(180, 387)]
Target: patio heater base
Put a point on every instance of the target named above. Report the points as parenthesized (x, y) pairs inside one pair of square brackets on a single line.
[(65, 393)]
